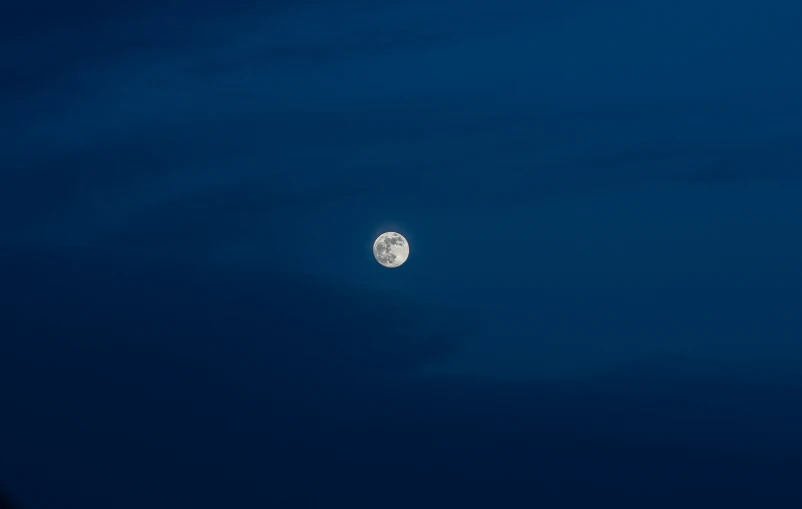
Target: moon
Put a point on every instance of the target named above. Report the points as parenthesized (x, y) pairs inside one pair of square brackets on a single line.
[(391, 249)]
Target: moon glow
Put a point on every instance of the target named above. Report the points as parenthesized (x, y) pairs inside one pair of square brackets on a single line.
[(391, 249)]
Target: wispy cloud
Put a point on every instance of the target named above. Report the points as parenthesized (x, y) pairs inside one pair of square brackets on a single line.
[(255, 130)]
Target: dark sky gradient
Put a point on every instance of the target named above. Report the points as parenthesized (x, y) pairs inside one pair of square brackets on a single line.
[(602, 306)]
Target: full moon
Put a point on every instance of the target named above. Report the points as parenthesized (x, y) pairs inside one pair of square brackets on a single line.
[(391, 249)]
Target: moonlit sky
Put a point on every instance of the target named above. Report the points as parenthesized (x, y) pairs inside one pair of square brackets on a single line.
[(189, 193)]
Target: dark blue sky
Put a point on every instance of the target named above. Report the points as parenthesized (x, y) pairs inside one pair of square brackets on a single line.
[(602, 306)]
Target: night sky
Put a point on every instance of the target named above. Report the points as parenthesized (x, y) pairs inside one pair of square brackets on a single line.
[(602, 307)]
